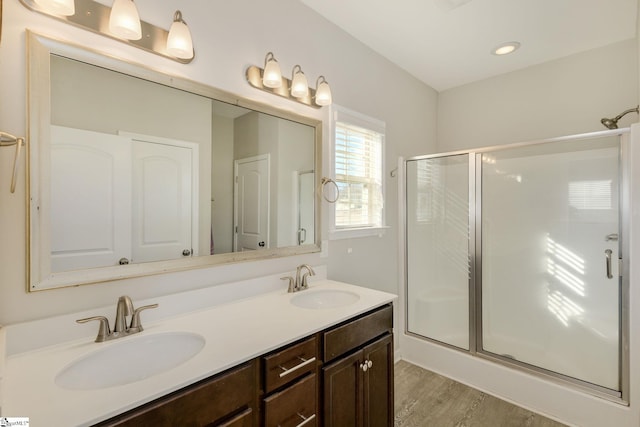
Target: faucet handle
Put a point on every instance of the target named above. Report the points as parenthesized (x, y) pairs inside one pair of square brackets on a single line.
[(292, 286), (135, 325), (103, 331)]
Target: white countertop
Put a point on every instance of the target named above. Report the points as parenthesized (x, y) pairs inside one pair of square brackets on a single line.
[(235, 332)]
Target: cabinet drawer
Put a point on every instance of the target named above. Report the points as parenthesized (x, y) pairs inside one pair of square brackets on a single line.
[(357, 332), (293, 406), (199, 405), (293, 362), (243, 419)]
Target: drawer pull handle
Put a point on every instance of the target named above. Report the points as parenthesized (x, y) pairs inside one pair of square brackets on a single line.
[(304, 363), (305, 420)]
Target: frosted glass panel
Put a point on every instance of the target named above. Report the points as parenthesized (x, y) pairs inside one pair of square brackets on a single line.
[(438, 249), (546, 298)]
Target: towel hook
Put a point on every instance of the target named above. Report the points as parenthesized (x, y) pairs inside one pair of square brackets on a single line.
[(7, 140), (323, 183)]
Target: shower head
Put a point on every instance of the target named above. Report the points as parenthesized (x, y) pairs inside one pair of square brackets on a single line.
[(613, 123)]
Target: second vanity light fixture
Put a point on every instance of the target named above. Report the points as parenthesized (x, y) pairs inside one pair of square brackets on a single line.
[(122, 22), (270, 79)]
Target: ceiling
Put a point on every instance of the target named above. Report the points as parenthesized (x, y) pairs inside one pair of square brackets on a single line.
[(448, 43)]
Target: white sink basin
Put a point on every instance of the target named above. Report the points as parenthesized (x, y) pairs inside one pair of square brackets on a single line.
[(130, 360), (324, 298)]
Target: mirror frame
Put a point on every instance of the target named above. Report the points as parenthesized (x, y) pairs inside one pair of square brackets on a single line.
[(39, 275)]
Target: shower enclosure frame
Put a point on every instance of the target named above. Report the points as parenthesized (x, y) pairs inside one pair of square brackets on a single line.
[(475, 265)]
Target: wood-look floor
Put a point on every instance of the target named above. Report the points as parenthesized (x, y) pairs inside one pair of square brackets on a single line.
[(426, 399)]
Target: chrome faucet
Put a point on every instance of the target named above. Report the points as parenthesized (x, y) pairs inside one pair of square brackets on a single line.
[(300, 283), (303, 283), (124, 308)]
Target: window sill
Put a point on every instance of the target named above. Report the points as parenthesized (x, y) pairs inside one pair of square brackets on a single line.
[(349, 233)]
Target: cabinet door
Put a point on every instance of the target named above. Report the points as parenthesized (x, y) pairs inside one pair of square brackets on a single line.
[(378, 383), (343, 392)]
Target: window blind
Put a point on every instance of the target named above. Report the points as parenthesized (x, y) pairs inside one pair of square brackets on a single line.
[(358, 174)]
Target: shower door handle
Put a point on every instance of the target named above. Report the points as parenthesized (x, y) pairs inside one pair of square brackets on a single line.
[(608, 253)]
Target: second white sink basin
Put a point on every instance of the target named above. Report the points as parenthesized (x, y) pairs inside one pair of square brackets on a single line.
[(130, 360), (324, 298)]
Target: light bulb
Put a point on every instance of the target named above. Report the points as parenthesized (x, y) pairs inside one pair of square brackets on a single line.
[(299, 85), (58, 7), (323, 92), (179, 41), (272, 76), (506, 48), (124, 20)]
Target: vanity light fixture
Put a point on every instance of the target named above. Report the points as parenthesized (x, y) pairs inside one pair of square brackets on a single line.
[(297, 89), (299, 84), (323, 92), (179, 42), (58, 7), (506, 48), (272, 76), (124, 20), (121, 22)]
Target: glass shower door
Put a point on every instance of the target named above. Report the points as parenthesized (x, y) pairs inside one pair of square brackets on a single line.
[(437, 238), (550, 280)]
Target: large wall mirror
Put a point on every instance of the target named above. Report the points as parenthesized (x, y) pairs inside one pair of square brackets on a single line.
[(133, 172)]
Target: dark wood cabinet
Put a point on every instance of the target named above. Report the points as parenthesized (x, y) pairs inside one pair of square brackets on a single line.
[(378, 383), (358, 387), (294, 406), (228, 399), (291, 385)]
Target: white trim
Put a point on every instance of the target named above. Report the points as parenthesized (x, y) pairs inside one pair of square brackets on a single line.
[(342, 114), (348, 233)]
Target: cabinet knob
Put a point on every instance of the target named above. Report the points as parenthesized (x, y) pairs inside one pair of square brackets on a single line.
[(366, 365), (123, 261)]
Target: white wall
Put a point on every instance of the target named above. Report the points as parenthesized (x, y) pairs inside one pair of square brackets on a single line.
[(295, 154), (561, 97), (228, 37), (221, 183)]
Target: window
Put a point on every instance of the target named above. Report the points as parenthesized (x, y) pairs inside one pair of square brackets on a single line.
[(358, 147)]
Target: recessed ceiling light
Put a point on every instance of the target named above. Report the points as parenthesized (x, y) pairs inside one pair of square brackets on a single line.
[(506, 48)]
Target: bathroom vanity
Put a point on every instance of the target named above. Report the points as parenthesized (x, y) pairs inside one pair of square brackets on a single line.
[(340, 376), (323, 356)]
